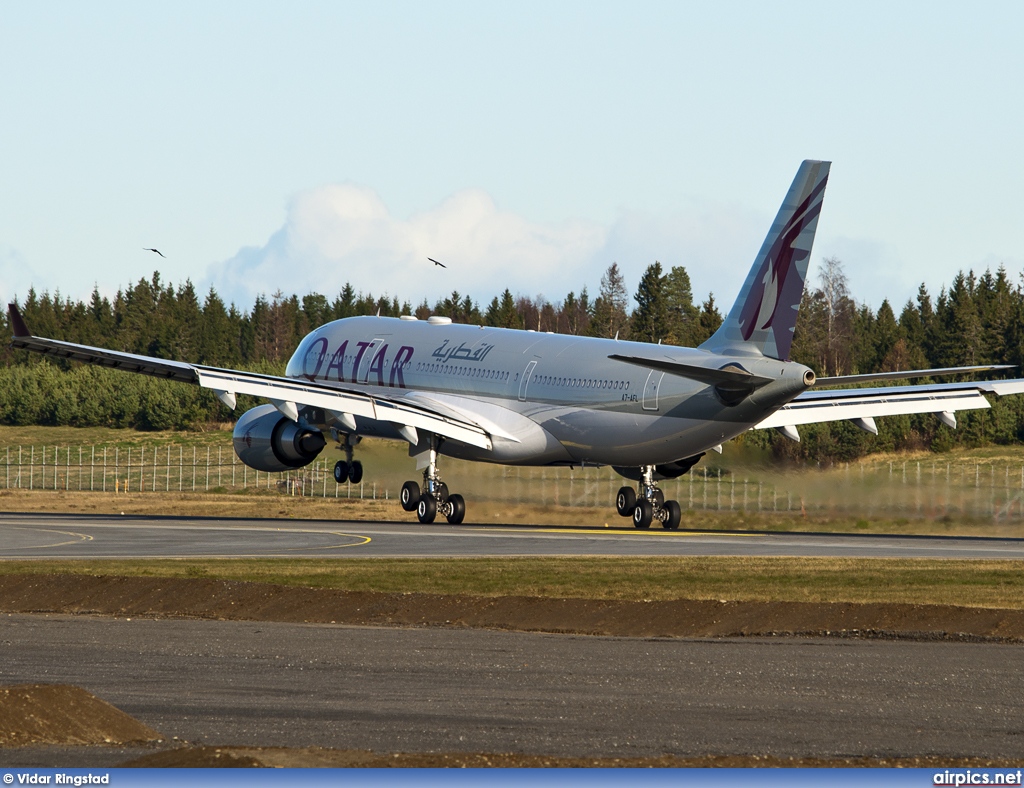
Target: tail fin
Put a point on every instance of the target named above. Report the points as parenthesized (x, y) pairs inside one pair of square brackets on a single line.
[(764, 316)]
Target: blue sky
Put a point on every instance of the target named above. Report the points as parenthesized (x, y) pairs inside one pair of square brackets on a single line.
[(297, 146)]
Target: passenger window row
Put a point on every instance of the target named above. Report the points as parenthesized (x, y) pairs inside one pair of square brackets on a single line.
[(584, 383), (461, 371)]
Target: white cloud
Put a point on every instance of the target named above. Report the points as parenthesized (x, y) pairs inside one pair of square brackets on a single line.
[(344, 233)]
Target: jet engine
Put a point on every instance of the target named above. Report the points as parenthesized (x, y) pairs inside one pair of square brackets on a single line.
[(267, 441), (669, 470)]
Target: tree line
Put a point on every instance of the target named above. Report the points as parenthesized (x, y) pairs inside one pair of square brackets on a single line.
[(976, 320)]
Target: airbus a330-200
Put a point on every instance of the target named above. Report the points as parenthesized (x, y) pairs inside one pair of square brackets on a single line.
[(527, 398)]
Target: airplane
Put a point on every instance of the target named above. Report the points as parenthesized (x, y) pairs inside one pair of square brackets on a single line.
[(529, 398)]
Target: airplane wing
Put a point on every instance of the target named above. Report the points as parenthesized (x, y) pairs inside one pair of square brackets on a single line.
[(872, 377), (287, 394), (861, 406)]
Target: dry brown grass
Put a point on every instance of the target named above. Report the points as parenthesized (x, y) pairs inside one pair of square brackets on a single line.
[(986, 584)]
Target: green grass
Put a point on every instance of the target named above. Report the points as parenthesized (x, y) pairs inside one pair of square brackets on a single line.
[(220, 435), (915, 581)]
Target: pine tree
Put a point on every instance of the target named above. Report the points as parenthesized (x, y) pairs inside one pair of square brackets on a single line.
[(886, 336), (650, 318), (710, 319), (503, 314), (610, 317), (682, 315)]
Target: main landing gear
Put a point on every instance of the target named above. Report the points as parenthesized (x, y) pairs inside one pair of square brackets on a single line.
[(434, 498), (348, 470), (648, 503)]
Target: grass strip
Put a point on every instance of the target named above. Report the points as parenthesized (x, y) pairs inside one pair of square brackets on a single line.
[(992, 584)]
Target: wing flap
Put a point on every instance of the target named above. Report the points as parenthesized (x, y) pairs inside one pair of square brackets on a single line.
[(847, 380), (820, 406)]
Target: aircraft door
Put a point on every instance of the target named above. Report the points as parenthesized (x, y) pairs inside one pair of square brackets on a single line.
[(524, 381), (651, 389)]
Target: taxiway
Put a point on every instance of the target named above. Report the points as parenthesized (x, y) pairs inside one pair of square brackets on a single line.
[(100, 536)]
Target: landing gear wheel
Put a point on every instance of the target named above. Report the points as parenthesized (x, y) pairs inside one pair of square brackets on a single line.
[(658, 498), (341, 471), (675, 514), (426, 509), (457, 504), (410, 496), (625, 501), (643, 514), (441, 492), (355, 472)]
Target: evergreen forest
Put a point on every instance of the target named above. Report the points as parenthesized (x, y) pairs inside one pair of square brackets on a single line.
[(972, 320)]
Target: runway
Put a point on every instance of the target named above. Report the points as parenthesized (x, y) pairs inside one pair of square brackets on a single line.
[(458, 690), (421, 690), (100, 536)]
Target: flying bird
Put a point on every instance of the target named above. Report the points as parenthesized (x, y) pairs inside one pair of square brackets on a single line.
[(157, 251), (431, 259)]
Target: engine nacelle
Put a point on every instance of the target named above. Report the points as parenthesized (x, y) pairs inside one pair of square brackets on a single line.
[(267, 441), (670, 470)]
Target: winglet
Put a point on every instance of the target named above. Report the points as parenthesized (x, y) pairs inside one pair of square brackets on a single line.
[(17, 322)]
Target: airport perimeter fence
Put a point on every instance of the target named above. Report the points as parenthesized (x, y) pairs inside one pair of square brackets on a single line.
[(162, 469), (913, 489)]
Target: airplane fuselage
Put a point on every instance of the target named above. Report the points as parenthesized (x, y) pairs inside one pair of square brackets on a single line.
[(545, 398)]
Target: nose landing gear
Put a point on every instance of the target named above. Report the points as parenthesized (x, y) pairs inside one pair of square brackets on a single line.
[(434, 498), (648, 503)]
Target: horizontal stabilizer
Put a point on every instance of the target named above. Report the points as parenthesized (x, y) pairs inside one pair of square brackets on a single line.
[(731, 375)]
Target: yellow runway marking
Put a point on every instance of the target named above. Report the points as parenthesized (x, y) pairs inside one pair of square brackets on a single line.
[(637, 532), (365, 539), (78, 538), (359, 540)]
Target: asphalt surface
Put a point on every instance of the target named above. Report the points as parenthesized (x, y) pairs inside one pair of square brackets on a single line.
[(258, 684), (92, 536)]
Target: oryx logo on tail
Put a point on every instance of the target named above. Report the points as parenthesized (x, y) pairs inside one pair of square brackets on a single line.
[(764, 315)]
